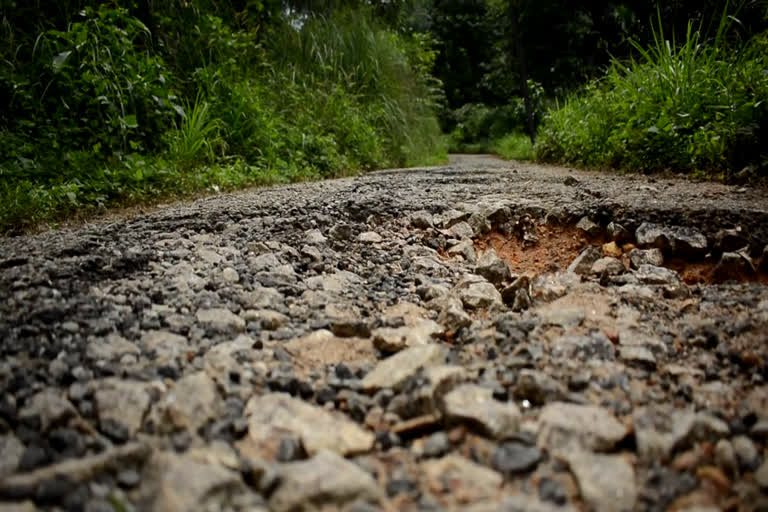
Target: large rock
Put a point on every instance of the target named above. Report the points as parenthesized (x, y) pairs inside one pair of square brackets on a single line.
[(491, 267), (321, 348), (476, 405), (461, 480), (50, 406), (178, 483), (660, 430), (393, 371), (582, 265), (650, 274), (549, 287), (122, 404), (564, 425), (112, 348), (11, 451), (638, 257), (606, 482), (324, 482), (394, 339), (222, 320), (465, 248), (190, 404), (168, 348), (477, 293), (677, 240), (278, 414)]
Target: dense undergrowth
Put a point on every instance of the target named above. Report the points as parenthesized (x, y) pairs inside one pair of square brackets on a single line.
[(698, 107), (105, 109)]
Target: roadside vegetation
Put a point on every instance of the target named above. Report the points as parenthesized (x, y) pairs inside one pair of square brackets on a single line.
[(109, 105), (115, 103), (696, 106)]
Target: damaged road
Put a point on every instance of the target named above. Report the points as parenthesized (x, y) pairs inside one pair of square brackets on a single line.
[(485, 335)]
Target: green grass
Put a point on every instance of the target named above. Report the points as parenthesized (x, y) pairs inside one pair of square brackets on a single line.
[(514, 146), (695, 106), (216, 111)]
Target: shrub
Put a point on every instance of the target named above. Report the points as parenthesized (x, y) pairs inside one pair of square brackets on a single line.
[(694, 107)]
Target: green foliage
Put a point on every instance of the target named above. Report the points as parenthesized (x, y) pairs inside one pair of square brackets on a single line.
[(110, 105), (513, 146), (693, 107)]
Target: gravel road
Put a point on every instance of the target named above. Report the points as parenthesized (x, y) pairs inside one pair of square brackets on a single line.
[(481, 336)]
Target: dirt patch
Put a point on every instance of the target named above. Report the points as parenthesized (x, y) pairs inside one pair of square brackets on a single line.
[(556, 248)]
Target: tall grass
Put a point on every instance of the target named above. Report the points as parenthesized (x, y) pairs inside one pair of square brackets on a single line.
[(693, 106)]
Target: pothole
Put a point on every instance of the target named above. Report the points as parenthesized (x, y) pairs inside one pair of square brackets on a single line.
[(557, 246)]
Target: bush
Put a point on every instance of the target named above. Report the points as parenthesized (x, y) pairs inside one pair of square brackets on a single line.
[(103, 111), (695, 107)]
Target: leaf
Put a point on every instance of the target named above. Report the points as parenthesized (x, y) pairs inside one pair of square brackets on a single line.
[(60, 60), (130, 121)]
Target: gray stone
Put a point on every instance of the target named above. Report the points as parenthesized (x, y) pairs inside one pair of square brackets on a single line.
[(635, 355), (122, 402), (263, 262), (461, 230), (606, 482), (393, 371), (176, 483), (314, 237), (452, 315), (491, 267), (522, 503), (477, 294), (111, 348), (277, 414), (168, 348), (190, 404), (618, 233), (589, 227), (324, 482), (746, 453), (761, 475), (222, 320), (370, 237), (677, 240), (638, 257), (538, 387), (650, 274), (725, 456), (269, 320), (562, 317), (593, 346), (476, 405), (229, 275), (436, 445), (454, 475), (421, 219), (479, 223), (522, 300), (394, 339), (563, 425), (659, 431), (607, 266), (340, 231), (549, 287), (51, 407), (11, 450), (515, 457), (582, 265), (465, 248)]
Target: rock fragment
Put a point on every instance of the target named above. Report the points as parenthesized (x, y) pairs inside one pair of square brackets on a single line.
[(50, 406), (462, 479), (491, 267), (393, 371), (277, 414), (476, 405), (222, 320), (569, 425), (326, 481), (582, 265), (639, 257), (606, 482), (589, 226)]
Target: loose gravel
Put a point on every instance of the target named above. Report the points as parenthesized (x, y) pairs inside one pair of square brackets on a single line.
[(374, 343)]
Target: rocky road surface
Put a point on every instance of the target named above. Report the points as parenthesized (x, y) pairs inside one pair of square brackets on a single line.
[(347, 345)]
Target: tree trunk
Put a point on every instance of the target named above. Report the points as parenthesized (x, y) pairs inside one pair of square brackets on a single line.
[(519, 50)]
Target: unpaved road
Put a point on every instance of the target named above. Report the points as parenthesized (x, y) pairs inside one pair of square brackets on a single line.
[(347, 345)]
